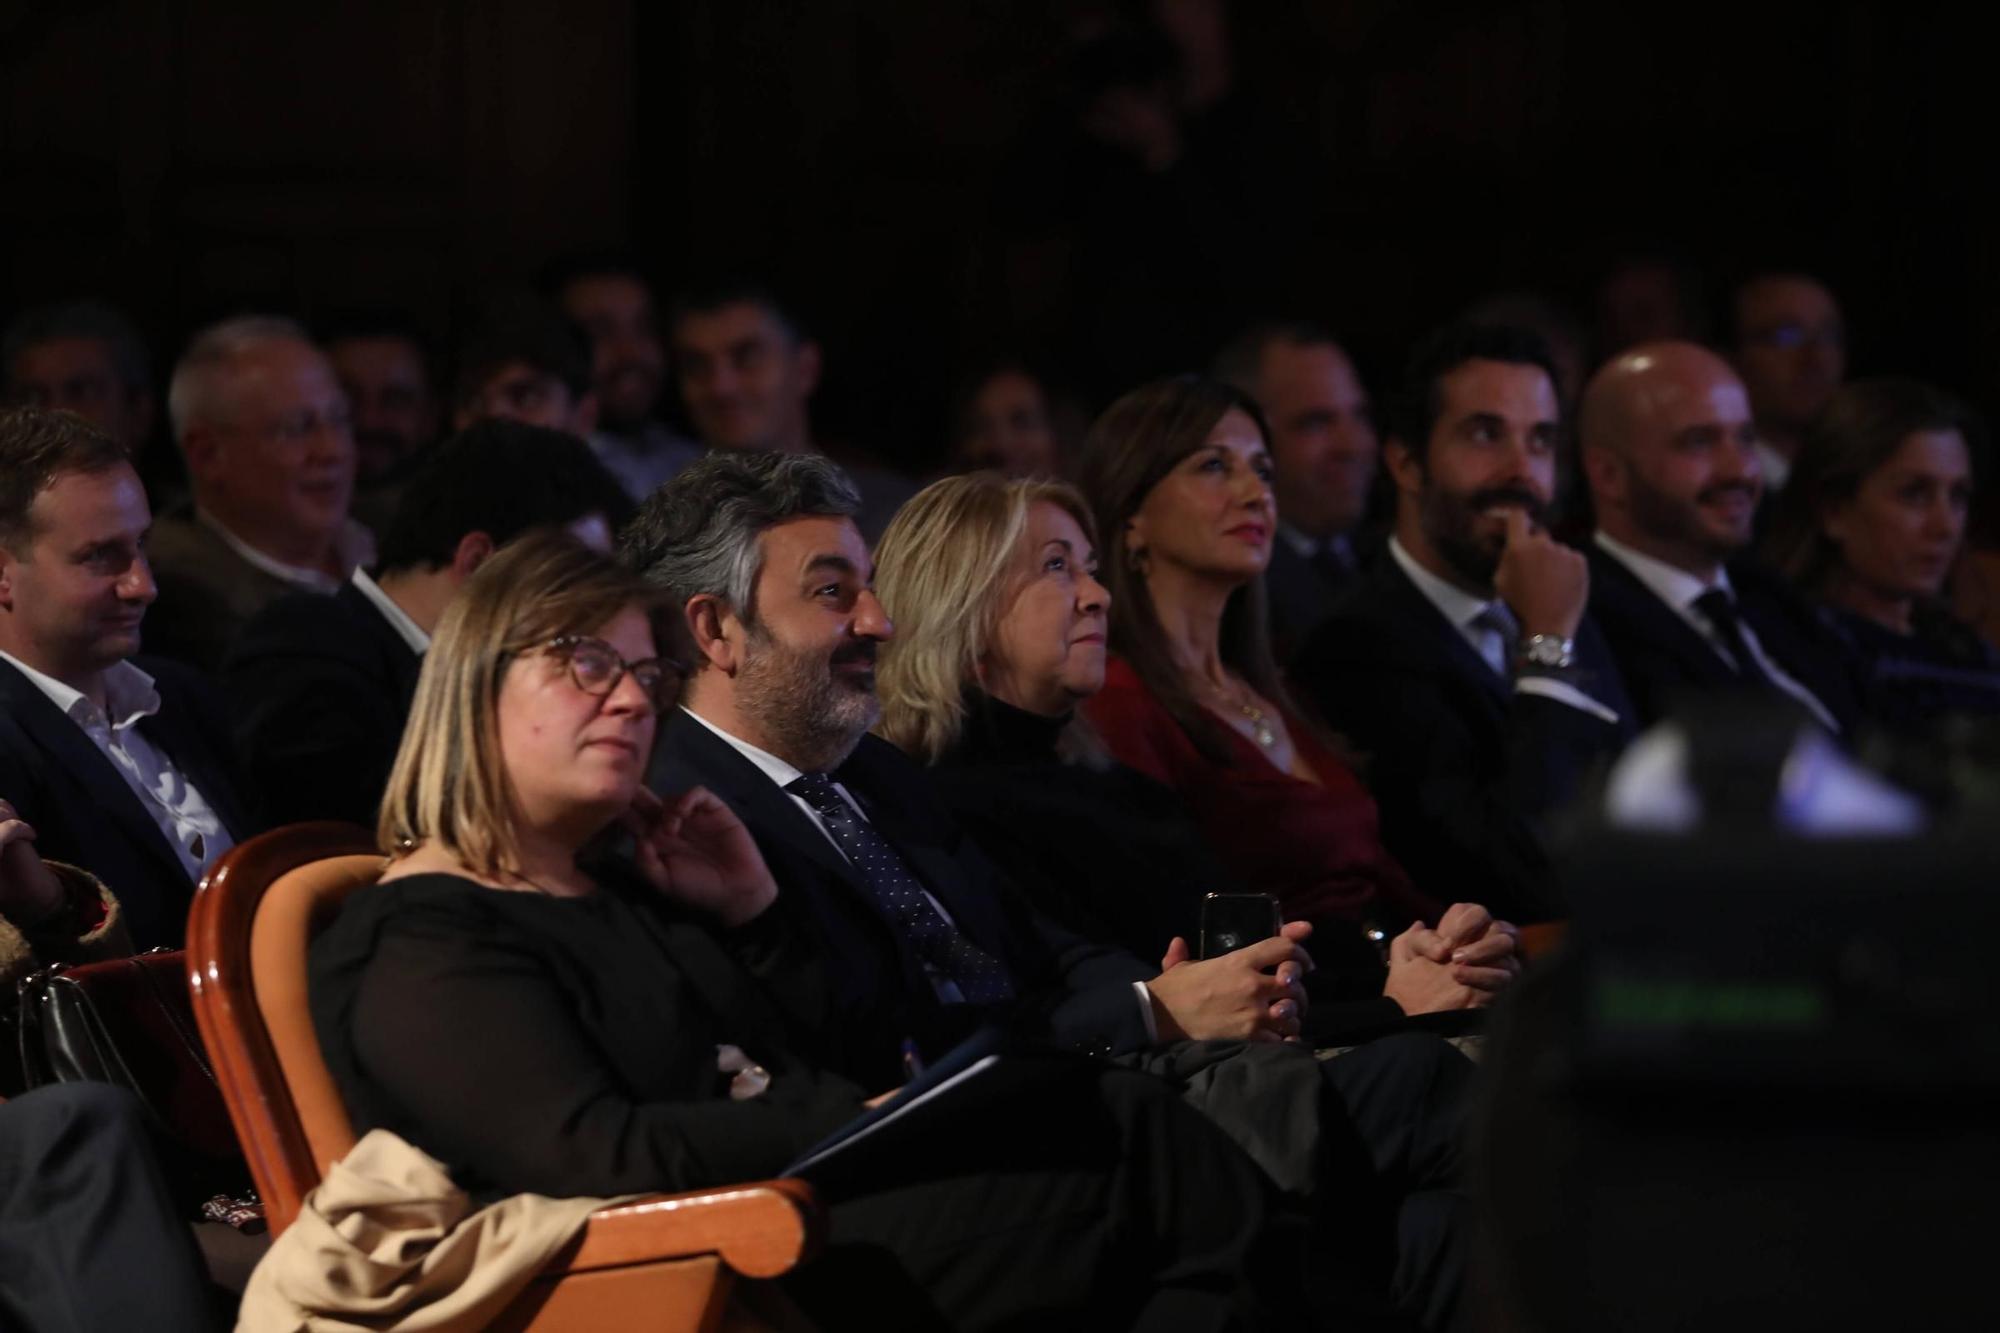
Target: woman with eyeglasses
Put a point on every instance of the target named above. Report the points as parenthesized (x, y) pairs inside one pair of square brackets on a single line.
[(544, 1016)]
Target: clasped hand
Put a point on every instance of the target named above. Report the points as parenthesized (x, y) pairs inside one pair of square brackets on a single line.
[(1256, 993), (1462, 964), (694, 849)]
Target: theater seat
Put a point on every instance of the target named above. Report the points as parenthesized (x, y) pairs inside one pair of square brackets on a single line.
[(664, 1263)]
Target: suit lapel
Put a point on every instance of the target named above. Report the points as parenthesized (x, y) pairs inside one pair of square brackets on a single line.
[(71, 752), (1661, 628), (1416, 613)]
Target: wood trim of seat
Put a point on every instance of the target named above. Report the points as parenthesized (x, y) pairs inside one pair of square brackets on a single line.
[(760, 1229), (225, 1003)]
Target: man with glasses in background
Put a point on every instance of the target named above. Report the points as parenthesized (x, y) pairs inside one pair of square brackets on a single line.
[(264, 427), (1790, 348)]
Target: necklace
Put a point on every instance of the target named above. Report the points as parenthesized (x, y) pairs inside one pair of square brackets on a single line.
[(1244, 703)]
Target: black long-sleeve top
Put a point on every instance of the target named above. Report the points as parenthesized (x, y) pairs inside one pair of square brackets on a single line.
[(562, 1046)]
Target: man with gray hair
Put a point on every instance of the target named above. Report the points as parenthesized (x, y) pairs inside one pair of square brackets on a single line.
[(265, 430)]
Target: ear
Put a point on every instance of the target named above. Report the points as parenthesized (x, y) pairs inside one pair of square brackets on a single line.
[(7, 566), (1834, 520), (142, 414), (462, 416), (1405, 468), (1135, 535), (1604, 471), (808, 363), (473, 549), (203, 449), (583, 416), (715, 631)]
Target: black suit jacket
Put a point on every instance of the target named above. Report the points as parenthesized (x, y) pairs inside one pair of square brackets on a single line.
[(323, 686), (840, 970), (1665, 661), (83, 812), (1464, 767)]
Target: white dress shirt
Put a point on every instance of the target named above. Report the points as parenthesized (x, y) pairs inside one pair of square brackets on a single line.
[(353, 547), (1467, 614), (785, 774), (183, 814), (1679, 589), (408, 630)]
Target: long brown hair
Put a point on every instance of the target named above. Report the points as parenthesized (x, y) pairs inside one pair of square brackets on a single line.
[(1137, 442)]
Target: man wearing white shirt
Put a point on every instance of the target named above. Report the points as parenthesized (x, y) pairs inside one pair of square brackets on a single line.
[(323, 684), (1670, 450), (266, 432), (120, 768), (1463, 665)]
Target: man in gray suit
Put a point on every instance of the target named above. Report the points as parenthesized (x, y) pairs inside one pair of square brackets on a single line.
[(266, 432)]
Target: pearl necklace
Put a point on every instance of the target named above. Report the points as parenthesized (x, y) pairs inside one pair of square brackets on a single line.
[(1261, 729)]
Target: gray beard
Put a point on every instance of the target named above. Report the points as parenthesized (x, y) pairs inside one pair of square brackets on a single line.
[(812, 719)]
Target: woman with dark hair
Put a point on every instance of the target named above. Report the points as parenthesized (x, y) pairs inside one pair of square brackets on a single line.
[(1871, 523), (1178, 475)]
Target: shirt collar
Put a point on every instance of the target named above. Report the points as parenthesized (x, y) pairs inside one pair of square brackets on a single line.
[(353, 546), (1674, 586), (399, 620), (1457, 605), (767, 763), (129, 693)]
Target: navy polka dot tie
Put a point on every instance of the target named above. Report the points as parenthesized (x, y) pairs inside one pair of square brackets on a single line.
[(944, 951)]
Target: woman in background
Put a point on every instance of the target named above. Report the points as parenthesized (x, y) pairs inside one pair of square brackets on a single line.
[(1870, 524)]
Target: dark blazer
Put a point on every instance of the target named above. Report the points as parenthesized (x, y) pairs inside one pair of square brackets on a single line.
[(207, 591), (1464, 767), (834, 961), (83, 812), (323, 688), (1664, 660)]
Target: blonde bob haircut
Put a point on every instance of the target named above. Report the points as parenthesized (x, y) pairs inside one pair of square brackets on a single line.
[(449, 786), (946, 571)]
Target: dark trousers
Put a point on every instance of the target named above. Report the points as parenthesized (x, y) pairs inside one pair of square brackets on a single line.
[(89, 1238), (1097, 1200)]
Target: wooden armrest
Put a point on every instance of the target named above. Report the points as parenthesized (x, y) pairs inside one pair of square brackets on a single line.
[(759, 1230), (1538, 941)]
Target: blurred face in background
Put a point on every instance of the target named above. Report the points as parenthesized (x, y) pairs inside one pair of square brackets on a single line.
[(1007, 427), (389, 395), (745, 378), (1322, 436), (80, 375), (628, 363), (1900, 532), (1791, 349)]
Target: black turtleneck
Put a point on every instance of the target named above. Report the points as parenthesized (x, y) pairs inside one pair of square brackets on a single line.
[(1115, 856)]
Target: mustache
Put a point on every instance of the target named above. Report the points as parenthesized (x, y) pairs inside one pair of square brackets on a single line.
[(1514, 495), (1721, 488), (861, 650)]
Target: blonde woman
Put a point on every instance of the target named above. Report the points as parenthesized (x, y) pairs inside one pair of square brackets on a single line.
[(542, 1020), (1001, 636)]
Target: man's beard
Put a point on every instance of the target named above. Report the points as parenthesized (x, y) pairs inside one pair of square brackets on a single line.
[(1451, 519), (813, 717), (1667, 517)]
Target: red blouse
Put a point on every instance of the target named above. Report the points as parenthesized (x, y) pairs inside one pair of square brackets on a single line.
[(1316, 846)]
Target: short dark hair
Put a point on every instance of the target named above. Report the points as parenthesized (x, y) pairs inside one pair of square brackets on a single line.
[(1421, 402), (698, 533), (501, 478), (601, 262), (1243, 356), (718, 293), (92, 320), (353, 323), (36, 447), (530, 333)]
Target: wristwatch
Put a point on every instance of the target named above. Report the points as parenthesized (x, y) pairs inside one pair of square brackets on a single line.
[(1549, 652)]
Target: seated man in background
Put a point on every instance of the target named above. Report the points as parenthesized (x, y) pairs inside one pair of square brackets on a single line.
[(323, 684), (265, 429), (1790, 347), (1669, 447), (122, 771), (384, 369), (748, 370), (1463, 666), (1324, 448), (525, 363), (88, 358), (608, 299)]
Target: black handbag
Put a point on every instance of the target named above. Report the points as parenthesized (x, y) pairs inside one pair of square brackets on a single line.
[(129, 1022)]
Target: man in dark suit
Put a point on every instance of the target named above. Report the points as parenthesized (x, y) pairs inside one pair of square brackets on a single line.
[(1463, 667), (1670, 450), (324, 684), (1323, 446), (120, 769)]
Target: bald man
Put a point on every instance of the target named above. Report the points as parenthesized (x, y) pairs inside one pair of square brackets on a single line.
[(1791, 350), (1669, 449)]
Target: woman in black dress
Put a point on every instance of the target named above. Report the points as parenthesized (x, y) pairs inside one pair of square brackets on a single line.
[(1870, 523), (541, 1024)]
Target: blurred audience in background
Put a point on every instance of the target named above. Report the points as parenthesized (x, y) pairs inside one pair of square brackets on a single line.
[(1002, 419), (88, 358), (1789, 343)]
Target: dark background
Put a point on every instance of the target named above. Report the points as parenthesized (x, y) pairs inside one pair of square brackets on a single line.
[(911, 172)]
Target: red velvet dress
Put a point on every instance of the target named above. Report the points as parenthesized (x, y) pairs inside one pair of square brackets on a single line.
[(1316, 846)]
